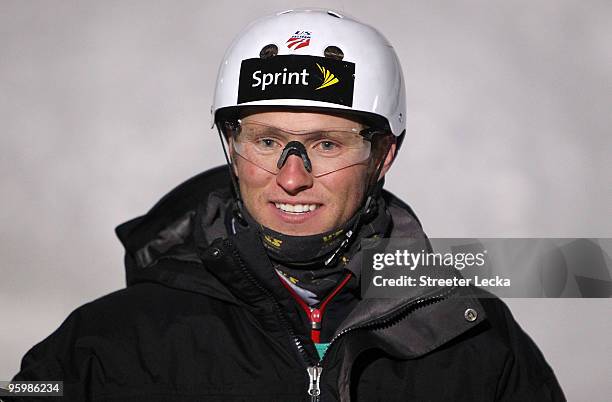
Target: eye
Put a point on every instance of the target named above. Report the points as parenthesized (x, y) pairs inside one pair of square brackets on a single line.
[(266, 143), (327, 146)]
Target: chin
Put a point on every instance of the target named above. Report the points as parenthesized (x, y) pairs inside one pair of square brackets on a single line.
[(297, 229)]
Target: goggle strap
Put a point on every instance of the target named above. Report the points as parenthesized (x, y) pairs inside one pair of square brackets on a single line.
[(369, 133)]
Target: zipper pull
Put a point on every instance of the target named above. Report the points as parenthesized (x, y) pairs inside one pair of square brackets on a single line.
[(315, 318), (314, 373), (315, 324)]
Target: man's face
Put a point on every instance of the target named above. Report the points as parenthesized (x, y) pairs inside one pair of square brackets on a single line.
[(336, 196)]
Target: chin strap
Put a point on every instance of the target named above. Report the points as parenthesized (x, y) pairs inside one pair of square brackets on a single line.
[(238, 205)]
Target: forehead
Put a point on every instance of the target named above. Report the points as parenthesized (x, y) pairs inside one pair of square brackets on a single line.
[(297, 121)]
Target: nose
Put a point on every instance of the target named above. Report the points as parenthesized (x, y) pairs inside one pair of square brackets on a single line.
[(293, 176)]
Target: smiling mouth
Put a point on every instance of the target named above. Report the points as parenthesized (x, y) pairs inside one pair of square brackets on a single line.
[(296, 208)]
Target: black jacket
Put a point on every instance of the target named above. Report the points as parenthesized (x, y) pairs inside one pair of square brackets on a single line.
[(204, 320)]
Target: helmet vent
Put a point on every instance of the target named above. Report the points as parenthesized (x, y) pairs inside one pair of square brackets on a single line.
[(334, 14), (333, 52), (268, 51)]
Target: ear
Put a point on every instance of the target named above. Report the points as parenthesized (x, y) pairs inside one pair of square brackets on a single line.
[(389, 158)]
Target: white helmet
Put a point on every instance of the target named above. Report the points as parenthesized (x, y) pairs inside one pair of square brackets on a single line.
[(312, 58)]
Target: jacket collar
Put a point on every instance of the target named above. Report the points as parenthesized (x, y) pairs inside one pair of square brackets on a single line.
[(166, 235), (160, 245)]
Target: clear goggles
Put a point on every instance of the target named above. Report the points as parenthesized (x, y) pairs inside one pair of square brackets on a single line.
[(322, 151)]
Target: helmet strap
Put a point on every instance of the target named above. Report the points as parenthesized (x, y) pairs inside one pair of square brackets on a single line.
[(237, 209)]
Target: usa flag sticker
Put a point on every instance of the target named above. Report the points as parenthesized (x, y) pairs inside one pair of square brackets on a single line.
[(298, 40)]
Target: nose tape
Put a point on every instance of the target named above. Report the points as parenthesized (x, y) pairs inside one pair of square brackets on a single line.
[(294, 148)]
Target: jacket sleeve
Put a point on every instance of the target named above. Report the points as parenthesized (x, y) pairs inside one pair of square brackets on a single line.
[(55, 359), (526, 376)]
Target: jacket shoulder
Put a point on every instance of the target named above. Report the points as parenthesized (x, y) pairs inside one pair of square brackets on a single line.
[(526, 372), (111, 321)]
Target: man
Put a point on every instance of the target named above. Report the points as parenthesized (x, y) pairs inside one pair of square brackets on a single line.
[(244, 283)]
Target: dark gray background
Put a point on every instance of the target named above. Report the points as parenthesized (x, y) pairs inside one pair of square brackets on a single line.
[(104, 107)]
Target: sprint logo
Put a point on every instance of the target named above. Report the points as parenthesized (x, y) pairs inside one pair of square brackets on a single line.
[(297, 77), (329, 78), (262, 80)]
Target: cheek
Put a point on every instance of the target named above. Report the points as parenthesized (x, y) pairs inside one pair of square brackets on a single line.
[(251, 179), (347, 188)]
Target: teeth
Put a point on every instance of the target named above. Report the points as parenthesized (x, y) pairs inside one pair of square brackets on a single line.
[(296, 208)]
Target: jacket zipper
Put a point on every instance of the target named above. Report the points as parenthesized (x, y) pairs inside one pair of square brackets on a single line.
[(314, 370), (315, 316)]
